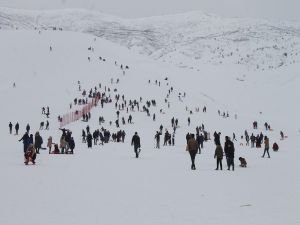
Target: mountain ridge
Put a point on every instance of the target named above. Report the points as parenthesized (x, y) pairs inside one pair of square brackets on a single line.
[(179, 39)]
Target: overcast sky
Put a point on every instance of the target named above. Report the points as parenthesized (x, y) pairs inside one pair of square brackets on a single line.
[(270, 9)]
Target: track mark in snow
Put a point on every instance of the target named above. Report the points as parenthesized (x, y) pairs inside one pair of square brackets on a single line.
[(210, 98), (247, 205)]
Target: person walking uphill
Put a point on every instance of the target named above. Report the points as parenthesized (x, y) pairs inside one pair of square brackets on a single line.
[(192, 147), (136, 142)]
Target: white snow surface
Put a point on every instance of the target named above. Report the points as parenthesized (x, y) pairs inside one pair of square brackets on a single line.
[(107, 184)]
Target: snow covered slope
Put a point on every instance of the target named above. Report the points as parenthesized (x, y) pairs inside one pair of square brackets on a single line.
[(185, 40), (107, 185)]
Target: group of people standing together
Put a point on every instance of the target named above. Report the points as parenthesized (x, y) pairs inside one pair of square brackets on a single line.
[(229, 151)]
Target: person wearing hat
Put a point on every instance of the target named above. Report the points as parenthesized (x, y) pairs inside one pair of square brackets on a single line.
[(136, 143)]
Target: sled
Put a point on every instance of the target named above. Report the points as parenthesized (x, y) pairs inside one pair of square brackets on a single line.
[(30, 164)]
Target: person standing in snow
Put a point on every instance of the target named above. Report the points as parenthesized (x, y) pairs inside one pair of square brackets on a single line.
[(47, 125), (281, 135), (201, 140), (17, 128), (89, 140), (198, 142), (72, 145), (49, 144), (219, 156), (26, 141), (192, 147), (136, 143), (38, 141), (31, 139), (217, 138), (10, 127), (28, 128), (233, 137), (62, 143), (267, 146), (229, 152), (157, 138), (83, 136)]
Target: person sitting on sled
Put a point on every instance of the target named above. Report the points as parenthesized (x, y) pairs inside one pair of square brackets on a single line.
[(30, 154)]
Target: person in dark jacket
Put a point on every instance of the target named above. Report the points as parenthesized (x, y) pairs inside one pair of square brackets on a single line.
[(56, 149), (47, 125), (201, 140), (83, 136), (157, 138), (10, 127), (217, 138), (17, 128), (26, 141), (198, 142), (243, 162), (192, 147), (31, 139), (27, 128), (136, 142), (275, 147), (229, 152), (219, 156), (187, 137), (72, 145), (38, 141), (89, 140)]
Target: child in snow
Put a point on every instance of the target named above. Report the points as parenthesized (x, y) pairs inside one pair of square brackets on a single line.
[(275, 147), (243, 162), (56, 149)]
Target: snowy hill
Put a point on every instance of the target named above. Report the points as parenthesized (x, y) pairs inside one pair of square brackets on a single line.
[(184, 39), (107, 184)]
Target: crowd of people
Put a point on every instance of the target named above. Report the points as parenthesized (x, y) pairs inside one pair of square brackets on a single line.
[(124, 109)]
